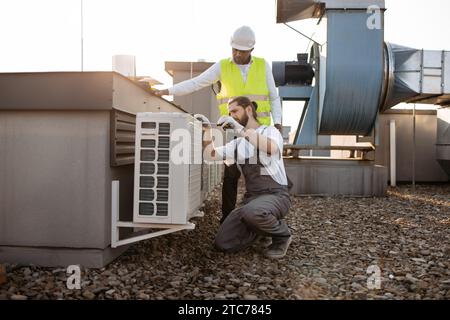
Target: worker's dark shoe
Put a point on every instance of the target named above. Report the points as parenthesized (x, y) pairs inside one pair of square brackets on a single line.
[(262, 241), (278, 248)]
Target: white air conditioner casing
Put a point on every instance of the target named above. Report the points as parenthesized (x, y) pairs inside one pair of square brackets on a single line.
[(167, 190)]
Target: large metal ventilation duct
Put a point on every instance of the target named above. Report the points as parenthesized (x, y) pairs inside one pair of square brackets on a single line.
[(351, 63), (354, 74), (416, 76), (359, 74)]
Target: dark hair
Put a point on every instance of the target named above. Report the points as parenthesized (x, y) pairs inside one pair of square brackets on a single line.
[(245, 102)]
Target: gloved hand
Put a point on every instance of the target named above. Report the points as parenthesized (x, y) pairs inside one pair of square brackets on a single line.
[(228, 122), (203, 119)]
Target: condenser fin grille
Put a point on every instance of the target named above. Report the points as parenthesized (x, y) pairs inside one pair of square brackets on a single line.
[(148, 155), (146, 195), (163, 168), (146, 209), (148, 125), (148, 143), (163, 195), (163, 155), (163, 182), (162, 209), (164, 128), (163, 142), (148, 168), (147, 182)]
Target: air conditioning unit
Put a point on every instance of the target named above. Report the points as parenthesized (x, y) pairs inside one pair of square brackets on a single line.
[(168, 168)]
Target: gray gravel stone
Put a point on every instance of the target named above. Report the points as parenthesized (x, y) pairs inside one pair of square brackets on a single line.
[(88, 295), (143, 296), (402, 234)]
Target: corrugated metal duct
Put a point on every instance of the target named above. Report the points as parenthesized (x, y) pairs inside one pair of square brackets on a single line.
[(354, 73)]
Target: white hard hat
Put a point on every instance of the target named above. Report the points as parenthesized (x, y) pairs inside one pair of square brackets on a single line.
[(243, 39)]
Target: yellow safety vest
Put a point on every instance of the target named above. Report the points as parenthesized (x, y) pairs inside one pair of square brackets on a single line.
[(255, 88)]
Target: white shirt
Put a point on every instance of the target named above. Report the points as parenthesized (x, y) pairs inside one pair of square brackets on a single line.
[(273, 164), (212, 75)]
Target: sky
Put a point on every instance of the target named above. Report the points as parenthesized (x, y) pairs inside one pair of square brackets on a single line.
[(45, 35)]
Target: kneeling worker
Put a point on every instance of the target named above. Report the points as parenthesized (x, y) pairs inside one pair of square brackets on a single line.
[(266, 201)]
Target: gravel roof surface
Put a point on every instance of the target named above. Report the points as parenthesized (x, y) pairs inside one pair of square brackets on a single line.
[(405, 236)]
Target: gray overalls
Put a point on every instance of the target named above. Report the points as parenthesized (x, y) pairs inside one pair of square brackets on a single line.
[(265, 204)]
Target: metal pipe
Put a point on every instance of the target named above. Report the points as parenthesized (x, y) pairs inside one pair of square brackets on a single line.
[(393, 155)]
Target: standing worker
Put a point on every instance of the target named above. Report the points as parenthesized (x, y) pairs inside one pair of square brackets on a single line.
[(241, 75)]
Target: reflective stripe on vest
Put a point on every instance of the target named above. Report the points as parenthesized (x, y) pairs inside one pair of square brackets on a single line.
[(255, 88)]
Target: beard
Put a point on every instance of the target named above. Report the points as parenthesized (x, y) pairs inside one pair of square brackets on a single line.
[(244, 120)]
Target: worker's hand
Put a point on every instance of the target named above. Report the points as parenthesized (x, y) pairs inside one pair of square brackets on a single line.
[(203, 119), (160, 93), (228, 122), (279, 127)]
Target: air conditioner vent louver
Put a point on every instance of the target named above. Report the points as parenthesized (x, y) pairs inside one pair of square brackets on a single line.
[(147, 182), (148, 155), (147, 195), (148, 125), (163, 155), (122, 138), (148, 143), (164, 128), (163, 168), (148, 168), (163, 195), (163, 182), (163, 142), (146, 209), (162, 209)]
